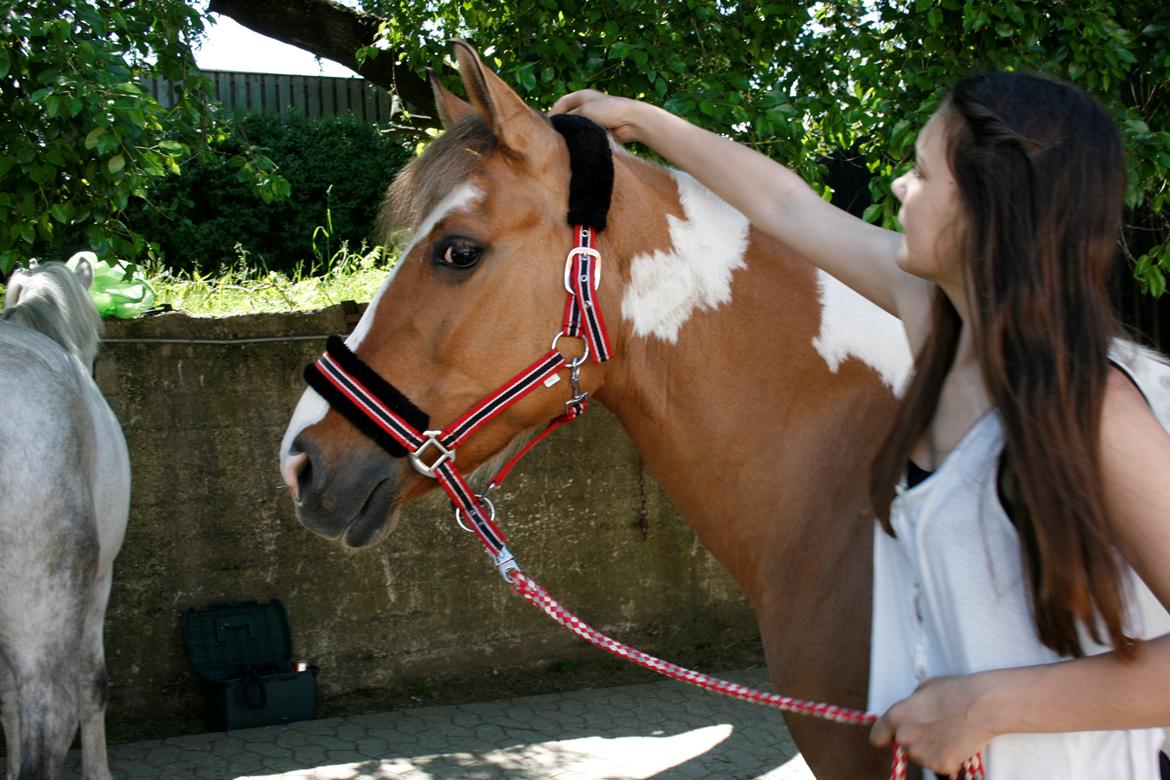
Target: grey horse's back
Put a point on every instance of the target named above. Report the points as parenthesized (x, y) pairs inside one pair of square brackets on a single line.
[(46, 441), (64, 501)]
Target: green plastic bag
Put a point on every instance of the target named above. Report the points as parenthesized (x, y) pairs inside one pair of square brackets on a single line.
[(118, 290)]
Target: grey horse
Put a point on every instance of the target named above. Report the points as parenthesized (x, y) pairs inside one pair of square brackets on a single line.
[(64, 501)]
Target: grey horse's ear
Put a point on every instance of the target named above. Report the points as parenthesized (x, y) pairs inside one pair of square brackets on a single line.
[(452, 108), (82, 264), (515, 125)]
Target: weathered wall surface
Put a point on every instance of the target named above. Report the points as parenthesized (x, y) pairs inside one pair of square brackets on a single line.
[(204, 402)]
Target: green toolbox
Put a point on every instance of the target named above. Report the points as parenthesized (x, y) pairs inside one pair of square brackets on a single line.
[(243, 652)]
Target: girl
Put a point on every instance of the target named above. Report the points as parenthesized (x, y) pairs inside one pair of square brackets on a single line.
[(1022, 493)]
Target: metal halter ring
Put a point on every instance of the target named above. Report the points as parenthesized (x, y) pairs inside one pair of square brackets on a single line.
[(577, 361), (483, 499)]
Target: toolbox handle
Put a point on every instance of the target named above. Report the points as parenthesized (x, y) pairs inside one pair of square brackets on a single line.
[(225, 624)]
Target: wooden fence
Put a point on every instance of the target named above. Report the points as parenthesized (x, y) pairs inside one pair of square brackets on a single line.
[(312, 96)]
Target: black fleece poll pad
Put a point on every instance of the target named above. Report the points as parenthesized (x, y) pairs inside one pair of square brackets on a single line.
[(591, 163), (385, 392)]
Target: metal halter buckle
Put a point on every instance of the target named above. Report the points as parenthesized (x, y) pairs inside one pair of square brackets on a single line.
[(432, 439), (582, 250)]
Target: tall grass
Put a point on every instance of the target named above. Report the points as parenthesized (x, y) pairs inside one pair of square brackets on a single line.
[(243, 289), (332, 276)]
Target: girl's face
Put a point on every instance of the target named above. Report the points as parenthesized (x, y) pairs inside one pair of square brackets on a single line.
[(930, 214)]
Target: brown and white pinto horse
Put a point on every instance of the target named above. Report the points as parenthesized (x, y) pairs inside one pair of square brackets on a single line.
[(755, 388)]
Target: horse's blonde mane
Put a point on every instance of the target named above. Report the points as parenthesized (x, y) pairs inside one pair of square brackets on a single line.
[(49, 298), (449, 161)]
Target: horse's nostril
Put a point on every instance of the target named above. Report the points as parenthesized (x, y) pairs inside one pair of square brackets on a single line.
[(297, 473), (304, 477)]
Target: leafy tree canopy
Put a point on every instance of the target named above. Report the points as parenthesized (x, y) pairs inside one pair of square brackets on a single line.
[(799, 80), (80, 138)]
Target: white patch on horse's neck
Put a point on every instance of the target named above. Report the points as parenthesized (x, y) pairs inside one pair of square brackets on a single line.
[(461, 197), (853, 326), (666, 288)]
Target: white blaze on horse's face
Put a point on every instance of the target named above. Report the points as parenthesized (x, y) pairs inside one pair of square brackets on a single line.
[(461, 197), (312, 408), (666, 288), (853, 326)]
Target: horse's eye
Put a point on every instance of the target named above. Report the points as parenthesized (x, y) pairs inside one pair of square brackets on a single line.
[(457, 253)]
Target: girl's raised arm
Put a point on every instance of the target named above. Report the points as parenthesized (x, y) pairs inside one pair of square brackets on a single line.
[(776, 200)]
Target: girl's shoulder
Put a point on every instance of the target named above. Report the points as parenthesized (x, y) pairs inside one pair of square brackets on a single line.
[(1134, 456), (1148, 370), (1131, 430)]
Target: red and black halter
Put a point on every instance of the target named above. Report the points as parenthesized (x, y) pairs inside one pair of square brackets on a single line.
[(386, 415)]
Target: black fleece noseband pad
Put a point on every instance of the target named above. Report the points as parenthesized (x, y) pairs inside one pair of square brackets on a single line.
[(385, 392), (591, 162)]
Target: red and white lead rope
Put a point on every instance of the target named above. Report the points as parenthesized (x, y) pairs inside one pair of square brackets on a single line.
[(533, 592)]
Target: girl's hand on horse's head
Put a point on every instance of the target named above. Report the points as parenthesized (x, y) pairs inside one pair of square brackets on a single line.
[(615, 114), (940, 725)]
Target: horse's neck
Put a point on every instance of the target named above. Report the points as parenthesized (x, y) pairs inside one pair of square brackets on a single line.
[(730, 378)]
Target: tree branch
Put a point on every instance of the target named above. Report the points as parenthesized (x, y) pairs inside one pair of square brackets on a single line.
[(335, 32)]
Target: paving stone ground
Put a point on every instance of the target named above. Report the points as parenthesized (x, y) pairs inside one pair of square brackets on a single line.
[(665, 730)]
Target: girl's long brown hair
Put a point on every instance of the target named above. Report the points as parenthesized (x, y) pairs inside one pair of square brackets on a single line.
[(1041, 178)]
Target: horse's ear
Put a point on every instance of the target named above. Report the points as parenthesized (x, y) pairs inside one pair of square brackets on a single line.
[(82, 266), (515, 125), (450, 106)]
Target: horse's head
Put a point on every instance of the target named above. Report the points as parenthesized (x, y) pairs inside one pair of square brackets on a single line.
[(475, 297), (53, 298)]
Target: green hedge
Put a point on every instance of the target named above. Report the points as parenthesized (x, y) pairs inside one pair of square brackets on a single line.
[(208, 219)]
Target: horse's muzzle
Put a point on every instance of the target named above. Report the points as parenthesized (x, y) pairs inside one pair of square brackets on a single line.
[(353, 500)]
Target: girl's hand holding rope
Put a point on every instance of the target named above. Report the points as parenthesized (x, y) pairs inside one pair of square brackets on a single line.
[(942, 724)]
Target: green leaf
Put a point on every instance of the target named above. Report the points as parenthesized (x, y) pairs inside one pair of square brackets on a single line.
[(1156, 282), (91, 138), (62, 212), (116, 163), (108, 143), (42, 174)]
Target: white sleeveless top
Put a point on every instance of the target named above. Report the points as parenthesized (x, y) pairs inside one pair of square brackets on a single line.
[(950, 598)]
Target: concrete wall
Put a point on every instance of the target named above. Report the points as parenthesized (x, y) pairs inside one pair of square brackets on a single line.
[(421, 618)]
